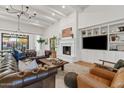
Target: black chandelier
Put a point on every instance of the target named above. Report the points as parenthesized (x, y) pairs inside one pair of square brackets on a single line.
[(23, 10)]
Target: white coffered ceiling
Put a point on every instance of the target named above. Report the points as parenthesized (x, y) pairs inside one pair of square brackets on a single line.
[(46, 14)]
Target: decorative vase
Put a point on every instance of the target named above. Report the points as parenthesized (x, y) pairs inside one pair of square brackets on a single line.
[(113, 38)]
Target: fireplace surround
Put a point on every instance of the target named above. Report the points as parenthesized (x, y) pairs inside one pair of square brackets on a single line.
[(67, 50)]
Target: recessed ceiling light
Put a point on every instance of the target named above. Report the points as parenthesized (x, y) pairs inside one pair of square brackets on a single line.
[(53, 14), (63, 6)]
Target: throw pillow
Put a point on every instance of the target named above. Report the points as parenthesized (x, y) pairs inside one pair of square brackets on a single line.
[(119, 64), (19, 55), (26, 66)]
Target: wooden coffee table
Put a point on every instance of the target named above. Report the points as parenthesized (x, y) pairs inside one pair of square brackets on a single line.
[(61, 64)]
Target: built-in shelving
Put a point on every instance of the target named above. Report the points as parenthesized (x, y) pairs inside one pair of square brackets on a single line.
[(114, 31)]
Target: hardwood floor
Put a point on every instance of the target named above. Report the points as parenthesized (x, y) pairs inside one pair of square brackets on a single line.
[(83, 63)]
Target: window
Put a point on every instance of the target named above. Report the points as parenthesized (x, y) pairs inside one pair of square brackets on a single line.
[(18, 41)]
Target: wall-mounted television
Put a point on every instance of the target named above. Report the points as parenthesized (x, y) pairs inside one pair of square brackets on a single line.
[(95, 42)]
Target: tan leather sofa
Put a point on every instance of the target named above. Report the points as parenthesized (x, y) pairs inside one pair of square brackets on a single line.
[(101, 78)]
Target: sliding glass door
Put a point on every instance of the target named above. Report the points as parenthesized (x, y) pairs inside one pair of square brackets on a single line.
[(10, 41)]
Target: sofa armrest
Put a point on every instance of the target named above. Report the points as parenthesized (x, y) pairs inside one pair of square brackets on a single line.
[(106, 67), (103, 73), (84, 81), (105, 61)]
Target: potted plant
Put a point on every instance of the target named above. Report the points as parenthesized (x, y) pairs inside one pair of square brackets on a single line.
[(41, 41)]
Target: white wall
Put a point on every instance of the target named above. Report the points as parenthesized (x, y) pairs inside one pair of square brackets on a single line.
[(56, 30), (99, 14), (53, 30), (96, 15), (30, 30)]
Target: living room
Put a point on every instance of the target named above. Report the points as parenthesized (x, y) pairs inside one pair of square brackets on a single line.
[(61, 46)]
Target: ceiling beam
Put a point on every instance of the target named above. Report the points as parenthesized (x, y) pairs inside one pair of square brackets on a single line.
[(55, 11), (79, 8), (45, 16), (43, 22), (13, 19)]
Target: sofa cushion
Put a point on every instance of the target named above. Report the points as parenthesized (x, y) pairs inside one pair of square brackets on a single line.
[(47, 53), (87, 81), (118, 81), (103, 73), (100, 79), (6, 72), (11, 80), (8, 65), (119, 64), (30, 53)]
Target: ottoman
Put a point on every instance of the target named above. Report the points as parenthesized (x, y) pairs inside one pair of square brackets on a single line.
[(70, 79)]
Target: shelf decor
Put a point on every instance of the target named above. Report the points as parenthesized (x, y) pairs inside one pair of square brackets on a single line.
[(121, 28), (114, 31)]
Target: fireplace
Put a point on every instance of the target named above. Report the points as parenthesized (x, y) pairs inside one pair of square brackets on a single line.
[(67, 50)]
